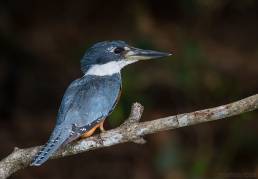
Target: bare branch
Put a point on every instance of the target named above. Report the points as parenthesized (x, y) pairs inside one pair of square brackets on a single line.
[(131, 131)]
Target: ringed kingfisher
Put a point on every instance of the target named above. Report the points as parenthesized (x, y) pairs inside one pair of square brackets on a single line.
[(90, 99)]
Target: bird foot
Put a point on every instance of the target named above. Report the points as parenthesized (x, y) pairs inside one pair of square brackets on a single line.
[(100, 140), (101, 126)]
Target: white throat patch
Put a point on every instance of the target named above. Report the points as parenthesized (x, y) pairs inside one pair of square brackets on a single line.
[(109, 68)]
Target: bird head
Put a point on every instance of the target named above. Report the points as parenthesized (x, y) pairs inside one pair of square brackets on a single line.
[(109, 57)]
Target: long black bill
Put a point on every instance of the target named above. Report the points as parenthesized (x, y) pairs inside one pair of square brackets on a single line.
[(140, 54)]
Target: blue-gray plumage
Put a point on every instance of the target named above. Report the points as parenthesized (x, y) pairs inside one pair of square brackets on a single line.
[(90, 99)]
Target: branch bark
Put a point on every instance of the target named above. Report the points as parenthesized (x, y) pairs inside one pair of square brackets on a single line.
[(131, 131)]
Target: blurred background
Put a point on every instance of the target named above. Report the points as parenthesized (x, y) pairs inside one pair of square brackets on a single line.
[(215, 61)]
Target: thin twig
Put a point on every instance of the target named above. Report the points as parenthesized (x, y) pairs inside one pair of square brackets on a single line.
[(131, 131)]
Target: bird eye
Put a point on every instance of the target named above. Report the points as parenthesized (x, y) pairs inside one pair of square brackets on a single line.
[(118, 50)]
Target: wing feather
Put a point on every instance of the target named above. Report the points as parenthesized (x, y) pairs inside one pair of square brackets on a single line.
[(89, 99)]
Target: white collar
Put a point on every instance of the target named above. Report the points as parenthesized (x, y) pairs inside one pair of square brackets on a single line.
[(109, 68)]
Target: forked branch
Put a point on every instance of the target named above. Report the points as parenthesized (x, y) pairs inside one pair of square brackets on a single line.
[(131, 131)]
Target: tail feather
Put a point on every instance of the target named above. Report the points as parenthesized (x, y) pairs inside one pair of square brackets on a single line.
[(48, 149)]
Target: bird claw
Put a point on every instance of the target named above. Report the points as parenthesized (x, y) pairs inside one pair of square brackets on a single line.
[(100, 140), (101, 127)]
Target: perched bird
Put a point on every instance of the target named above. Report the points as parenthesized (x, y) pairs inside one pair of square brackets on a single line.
[(90, 99)]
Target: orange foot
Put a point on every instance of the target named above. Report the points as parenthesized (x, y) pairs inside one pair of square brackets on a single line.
[(91, 131)]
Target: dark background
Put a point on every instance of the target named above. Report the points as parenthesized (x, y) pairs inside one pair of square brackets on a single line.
[(215, 61)]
